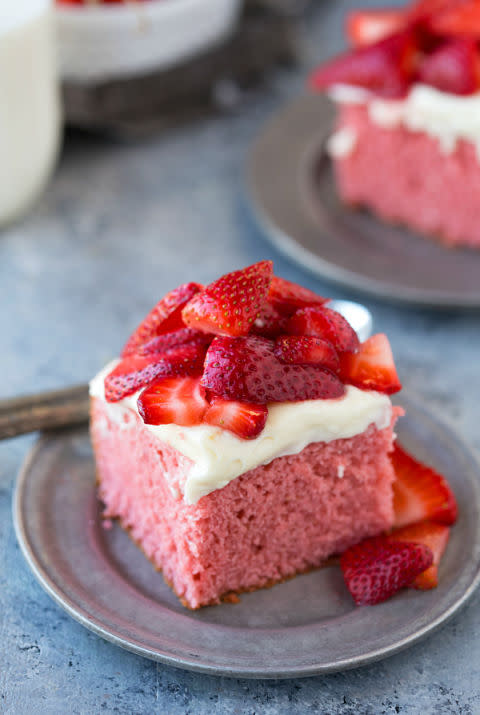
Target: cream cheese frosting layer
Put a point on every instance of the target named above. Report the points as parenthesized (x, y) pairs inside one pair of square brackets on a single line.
[(444, 116), (219, 456)]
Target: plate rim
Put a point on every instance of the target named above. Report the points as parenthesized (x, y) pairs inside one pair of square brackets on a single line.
[(92, 623), (313, 262)]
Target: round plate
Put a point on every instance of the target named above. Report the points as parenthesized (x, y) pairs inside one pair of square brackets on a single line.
[(306, 626), (292, 192)]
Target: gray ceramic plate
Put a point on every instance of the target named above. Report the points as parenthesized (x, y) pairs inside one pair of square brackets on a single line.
[(292, 192), (305, 626)]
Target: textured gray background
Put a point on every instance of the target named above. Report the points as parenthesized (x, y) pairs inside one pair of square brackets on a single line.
[(120, 225)]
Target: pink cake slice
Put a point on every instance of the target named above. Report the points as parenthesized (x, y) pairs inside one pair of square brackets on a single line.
[(264, 526), (405, 177)]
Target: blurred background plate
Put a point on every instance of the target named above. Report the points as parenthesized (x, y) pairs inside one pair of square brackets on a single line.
[(293, 197), (305, 626)]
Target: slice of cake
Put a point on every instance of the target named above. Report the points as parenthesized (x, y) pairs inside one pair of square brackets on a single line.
[(244, 435), (407, 140)]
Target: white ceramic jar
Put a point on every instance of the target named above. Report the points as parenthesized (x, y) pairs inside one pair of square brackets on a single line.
[(29, 103)]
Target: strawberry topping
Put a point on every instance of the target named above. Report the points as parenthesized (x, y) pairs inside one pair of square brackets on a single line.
[(229, 305), (435, 536), (454, 67), (457, 18), (375, 569), (372, 367), (306, 350), (244, 419), (136, 371), (173, 400), (287, 296), (270, 322), (165, 317), (164, 343), (247, 369), (327, 324), (365, 27), (419, 492)]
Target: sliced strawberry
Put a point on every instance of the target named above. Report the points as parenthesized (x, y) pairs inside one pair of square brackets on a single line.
[(229, 305), (165, 317), (375, 569), (306, 350), (246, 369), (287, 296), (270, 322), (365, 27), (454, 67), (457, 19), (419, 492), (136, 371), (385, 68), (184, 336), (173, 400), (245, 419), (327, 324), (372, 367), (435, 536)]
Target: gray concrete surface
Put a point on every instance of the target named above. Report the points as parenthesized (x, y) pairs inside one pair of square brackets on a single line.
[(119, 225)]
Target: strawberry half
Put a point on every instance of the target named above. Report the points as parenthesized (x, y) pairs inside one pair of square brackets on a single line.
[(287, 296), (229, 305), (136, 371), (419, 492), (164, 343), (435, 536), (327, 324), (372, 367), (245, 419), (365, 27), (306, 350), (457, 18), (247, 369), (454, 67), (173, 400), (270, 322), (165, 317), (385, 68), (375, 569)]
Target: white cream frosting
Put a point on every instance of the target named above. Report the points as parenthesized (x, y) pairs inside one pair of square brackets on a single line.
[(219, 456), (444, 116)]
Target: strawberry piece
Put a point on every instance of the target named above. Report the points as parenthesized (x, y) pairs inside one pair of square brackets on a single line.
[(435, 536), (246, 369), (165, 317), (173, 400), (245, 419), (229, 305), (164, 343), (419, 492), (372, 367), (454, 67), (287, 296), (270, 322), (386, 68), (375, 569), (136, 371), (306, 350), (366, 27), (327, 324), (457, 18)]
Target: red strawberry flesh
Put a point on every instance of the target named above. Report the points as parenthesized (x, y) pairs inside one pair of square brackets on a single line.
[(287, 296), (165, 317), (375, 569), (433, 535), (270, 322), (173, 400), (247, 369), (419, 492), (164, 343), (245, 419), (229, 305), (306, 350), (136, 371), (372, 367), (327, 324), (366, 27), (454, 67)]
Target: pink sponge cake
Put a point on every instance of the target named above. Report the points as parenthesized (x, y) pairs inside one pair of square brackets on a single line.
[(244, 435), (407, 141)]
